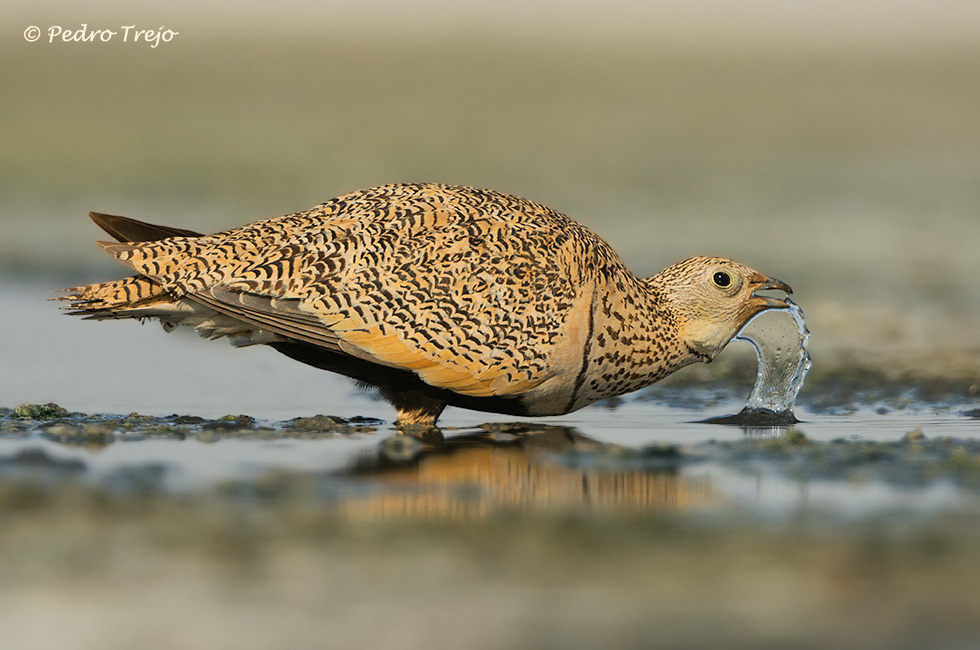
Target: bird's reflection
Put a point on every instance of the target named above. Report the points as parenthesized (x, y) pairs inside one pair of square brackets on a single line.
[(508, 468)]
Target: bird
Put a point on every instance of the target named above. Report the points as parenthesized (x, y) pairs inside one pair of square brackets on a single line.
[(435, 295)]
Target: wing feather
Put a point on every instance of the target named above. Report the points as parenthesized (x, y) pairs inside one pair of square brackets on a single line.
[(286, 318), (262, 312), (466, 288)]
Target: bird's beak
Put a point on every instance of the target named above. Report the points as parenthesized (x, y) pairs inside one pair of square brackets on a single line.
[(771, 284)]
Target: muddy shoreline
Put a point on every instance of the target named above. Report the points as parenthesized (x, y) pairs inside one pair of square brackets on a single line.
[(498, 535), (116, 572)]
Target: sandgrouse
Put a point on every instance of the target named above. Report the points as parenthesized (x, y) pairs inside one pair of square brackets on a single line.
[(435, 295)]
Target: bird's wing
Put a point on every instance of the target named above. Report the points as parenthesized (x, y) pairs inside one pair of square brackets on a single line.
[(279, 315), (375, 342), (468, 289)]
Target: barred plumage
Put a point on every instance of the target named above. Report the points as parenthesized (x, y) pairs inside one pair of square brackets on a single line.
[(435, 295)]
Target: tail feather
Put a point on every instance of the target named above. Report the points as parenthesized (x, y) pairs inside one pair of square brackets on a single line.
[(126, 230), (132, 297), (160, 262), (141, 296), (118, 299)]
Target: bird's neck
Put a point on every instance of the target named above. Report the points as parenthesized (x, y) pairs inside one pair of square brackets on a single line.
[(634, 341)]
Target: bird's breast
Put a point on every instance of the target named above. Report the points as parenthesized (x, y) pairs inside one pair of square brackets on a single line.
[(631, 344)]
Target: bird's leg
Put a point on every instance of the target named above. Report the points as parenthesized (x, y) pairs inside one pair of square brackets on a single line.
[(415, 409)]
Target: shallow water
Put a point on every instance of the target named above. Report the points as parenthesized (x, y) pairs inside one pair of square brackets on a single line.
[(645, 459)]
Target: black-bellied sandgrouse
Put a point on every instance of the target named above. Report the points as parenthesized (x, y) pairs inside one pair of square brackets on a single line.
[(435, 295)]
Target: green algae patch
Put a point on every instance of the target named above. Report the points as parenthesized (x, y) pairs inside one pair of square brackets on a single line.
[(330, 425), (241, 420), (77, 429), (230, 423), (795, 437), (97, 434), (786, 443), (50, 411), (317, 423), (914, 436)]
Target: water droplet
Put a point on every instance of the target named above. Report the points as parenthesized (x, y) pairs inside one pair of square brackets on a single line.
[(780, 339)]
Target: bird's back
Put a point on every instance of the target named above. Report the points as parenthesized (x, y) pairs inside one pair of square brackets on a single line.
[(476, 291)]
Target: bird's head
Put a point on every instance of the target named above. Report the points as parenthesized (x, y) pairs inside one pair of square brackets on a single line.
[(712, 298)]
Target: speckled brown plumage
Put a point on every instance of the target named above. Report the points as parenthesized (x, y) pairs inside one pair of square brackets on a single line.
[(435, 295)]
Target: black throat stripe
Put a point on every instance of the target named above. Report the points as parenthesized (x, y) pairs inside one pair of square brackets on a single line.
[(587, 349)]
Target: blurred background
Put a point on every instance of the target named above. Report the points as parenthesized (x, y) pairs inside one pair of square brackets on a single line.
[(832, 144)]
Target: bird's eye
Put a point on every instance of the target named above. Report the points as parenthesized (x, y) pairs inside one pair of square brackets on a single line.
[(721, 279)]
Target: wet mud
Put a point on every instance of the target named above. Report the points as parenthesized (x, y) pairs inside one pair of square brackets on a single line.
[(485, 537)]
